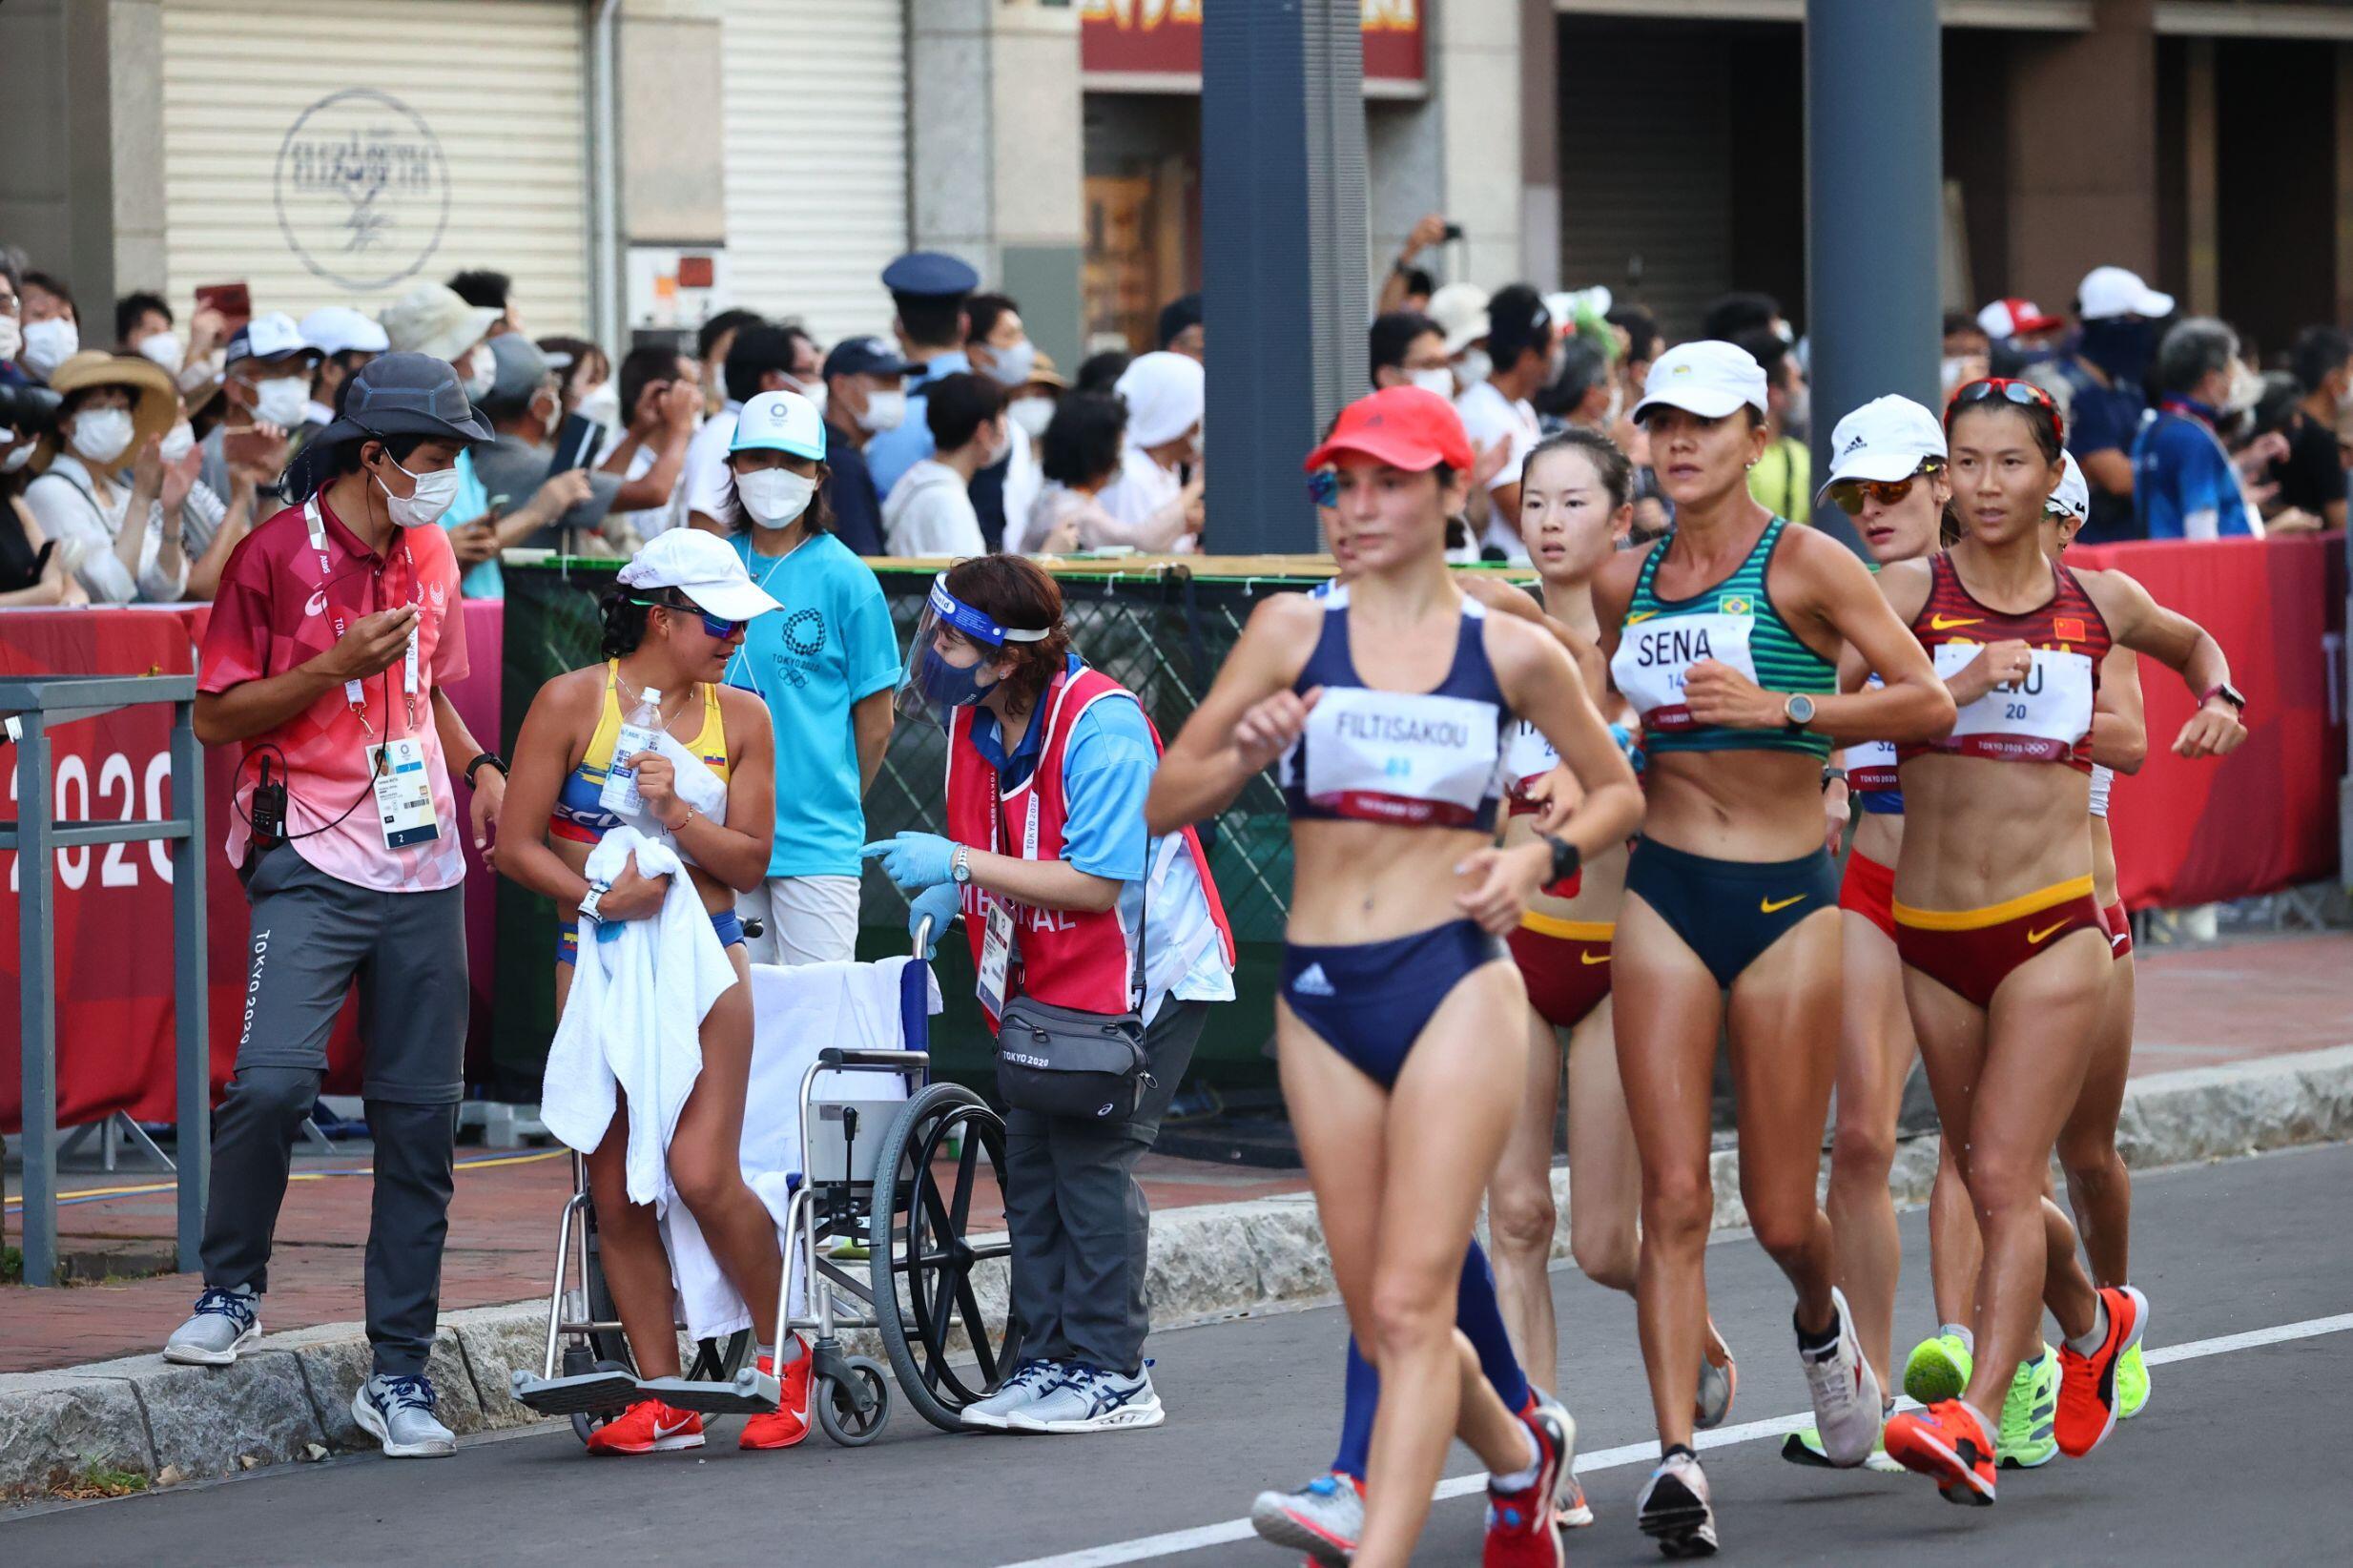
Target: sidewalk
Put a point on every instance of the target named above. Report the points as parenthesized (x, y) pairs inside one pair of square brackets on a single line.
[(2215, 1006)]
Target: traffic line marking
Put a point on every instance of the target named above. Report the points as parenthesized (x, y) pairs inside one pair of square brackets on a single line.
[(1176, 1542)]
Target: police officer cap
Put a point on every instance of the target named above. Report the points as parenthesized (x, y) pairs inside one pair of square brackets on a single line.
[(929, 273)]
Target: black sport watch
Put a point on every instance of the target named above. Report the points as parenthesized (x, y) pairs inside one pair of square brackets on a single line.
[(1566, 858)]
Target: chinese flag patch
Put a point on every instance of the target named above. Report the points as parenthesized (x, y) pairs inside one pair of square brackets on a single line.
[(2068, 629)]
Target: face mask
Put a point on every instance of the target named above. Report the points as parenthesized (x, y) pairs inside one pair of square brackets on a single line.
[(480, 377), (164, 348), (1033, 415), (1949, 372), (1440, 381), (2345, 397), (601, 402), (950, 686), (12, 337), (1798, 416), (177, 442), (884, 411), (1011, 366), (1473, 369), (101, 435), (2246, 389), (774, 496), (1003, 450), (820, 394), (433, 496), (49, 344), (282, 403), (19, 454), (2119, 347)]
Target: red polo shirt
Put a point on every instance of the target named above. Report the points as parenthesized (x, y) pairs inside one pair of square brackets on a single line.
[(276, 608)]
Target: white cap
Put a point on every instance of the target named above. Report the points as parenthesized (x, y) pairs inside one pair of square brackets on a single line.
[(2108, 292), (783, 421), (1460, 310), (272, 336), (1164, 397), (1709, 378), (336, 329), (1886, 438), (704, 567), (2072, 497)]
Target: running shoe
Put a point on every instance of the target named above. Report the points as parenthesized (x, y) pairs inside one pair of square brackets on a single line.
[(1846, 1392), (1674, 1509), (1938, 1370), (224, 1323), (787, 1424), (2132, 1385), (1522, 1531), (1804, 1447), (1945, 1443), (1089, 1400), (1569, 1505), (1323, 1518), (2088, 1383), (397, 1413), (648, 1427), (1035, 1379), (2028, 1412), (1718, 1381)]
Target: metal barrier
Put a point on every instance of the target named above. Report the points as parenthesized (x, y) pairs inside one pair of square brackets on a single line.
[(38, 706)]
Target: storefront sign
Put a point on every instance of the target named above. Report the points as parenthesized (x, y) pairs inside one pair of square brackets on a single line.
[(363, 190), (1155, 45)]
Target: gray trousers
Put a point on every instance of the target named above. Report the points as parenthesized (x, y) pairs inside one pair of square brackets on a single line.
[(313, 935), (1079, 1224)]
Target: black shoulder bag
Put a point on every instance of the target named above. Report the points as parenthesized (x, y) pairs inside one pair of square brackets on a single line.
[(1054, 1061)]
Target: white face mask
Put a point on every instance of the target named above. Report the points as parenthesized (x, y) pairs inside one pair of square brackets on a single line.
[(282, 403), (1472, 368), (886, 410), (422, 508), (101, 435), (1440, 381), (12, 337), (820, 394), (1011, 366), (482, 374), (177, 442), (1001, 451), (1033, 415), (49, 344), (601, 402), (18, 455), (775, 498), (2246, 388), (164, 348)]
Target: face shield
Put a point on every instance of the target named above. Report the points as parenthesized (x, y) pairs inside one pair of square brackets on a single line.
[(946, 673)]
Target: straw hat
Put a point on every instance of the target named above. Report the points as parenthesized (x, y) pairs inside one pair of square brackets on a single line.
[(155, 407)]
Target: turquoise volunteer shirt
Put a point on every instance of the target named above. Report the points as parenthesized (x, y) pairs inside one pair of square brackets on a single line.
[(829, 647)]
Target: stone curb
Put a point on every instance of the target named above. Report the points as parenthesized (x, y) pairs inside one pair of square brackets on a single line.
[(290, 1397)]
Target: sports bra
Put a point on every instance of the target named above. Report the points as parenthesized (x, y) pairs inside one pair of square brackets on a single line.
[(2046, 718), (580, 815), (1734, 623), (1413, 758)]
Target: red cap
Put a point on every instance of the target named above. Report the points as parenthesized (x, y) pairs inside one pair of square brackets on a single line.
[(1403, 427), (2014, 318)]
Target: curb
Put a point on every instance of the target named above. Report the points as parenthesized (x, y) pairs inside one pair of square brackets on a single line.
[(290, 1399)]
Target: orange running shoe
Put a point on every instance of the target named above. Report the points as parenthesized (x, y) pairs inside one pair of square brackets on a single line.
[(788, 1423), (2088, 1383), (648, 1427), (1945, 1443)]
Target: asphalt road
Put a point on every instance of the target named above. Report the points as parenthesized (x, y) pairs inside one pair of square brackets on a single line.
[(2233, 1462)]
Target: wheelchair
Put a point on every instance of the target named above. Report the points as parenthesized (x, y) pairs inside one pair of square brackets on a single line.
[(875, 1234)]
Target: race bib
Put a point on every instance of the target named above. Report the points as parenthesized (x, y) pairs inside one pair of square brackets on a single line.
[(2040, 719), (1654, 656), (1391, 756), (404, 792), (1871, 764), (1527, 756)]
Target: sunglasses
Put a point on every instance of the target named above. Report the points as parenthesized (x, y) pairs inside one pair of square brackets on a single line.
[(2008, 389), (1324, 486), (1850, 494), (720, 630)]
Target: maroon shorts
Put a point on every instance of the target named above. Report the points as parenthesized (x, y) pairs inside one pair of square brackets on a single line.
[(1565, 963), (2119, 924), (1869, 889), (1972, 951)]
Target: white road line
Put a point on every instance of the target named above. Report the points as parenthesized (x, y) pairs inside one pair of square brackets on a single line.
[(1176, 1542)]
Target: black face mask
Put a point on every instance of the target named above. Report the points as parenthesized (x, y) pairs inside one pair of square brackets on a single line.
[(2120, 347)]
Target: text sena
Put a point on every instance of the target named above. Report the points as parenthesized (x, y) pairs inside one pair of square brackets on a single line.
[(1671, 645)]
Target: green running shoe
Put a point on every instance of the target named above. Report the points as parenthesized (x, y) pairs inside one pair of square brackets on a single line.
[(1938, 1370), (2132, 1384), (1804, 1447), (2030, 1412)]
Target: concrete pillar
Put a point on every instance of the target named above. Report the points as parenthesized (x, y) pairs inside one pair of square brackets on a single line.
[(1476, 83), (672, 123), (2083, 181), (995, 153), (2202, 194), (1540, 143)]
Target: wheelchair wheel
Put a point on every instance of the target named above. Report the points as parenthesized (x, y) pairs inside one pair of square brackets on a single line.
[(946, 1349), (838, 1404)]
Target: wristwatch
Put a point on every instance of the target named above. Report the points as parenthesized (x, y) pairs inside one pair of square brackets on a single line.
[(2228, 693), (1797, 711), (491, 758), (588, 905), (1566, 858), (960, 866)]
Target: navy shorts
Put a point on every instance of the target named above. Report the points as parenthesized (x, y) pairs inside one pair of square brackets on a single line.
[(1369, 1001)]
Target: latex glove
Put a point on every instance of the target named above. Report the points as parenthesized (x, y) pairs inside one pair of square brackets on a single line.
[(1630, 742), (938, 905), (914, 860)]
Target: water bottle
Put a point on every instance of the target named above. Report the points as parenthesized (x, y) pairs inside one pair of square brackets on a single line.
[(639, 726)]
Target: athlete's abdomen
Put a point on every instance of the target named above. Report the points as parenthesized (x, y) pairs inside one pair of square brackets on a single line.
[(1734, 805), (1372, 882), (1979, 831)]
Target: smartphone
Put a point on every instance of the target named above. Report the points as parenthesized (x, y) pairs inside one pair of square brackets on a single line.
[(575, 444), (1453, 232), (241, 446), (234, 300)]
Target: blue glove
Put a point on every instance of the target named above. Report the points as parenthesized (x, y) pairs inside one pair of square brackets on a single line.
[(914, 860), (938, 905), (1630, 742)]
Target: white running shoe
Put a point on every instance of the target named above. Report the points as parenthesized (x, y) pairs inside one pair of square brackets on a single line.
[(1845, 1392), (1089, 1400), (1674, 1509), (1324, 1519)]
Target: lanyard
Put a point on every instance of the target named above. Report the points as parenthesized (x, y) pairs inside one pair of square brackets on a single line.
[(354, 694)]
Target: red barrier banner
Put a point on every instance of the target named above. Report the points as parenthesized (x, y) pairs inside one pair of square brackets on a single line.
[(2265, 816)]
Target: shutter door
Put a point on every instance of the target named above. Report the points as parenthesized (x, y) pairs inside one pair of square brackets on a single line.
[(340, 152), (817, 159), (1646, 163)]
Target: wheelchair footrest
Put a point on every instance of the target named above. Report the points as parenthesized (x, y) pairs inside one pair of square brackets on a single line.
[(583, 1395), (751, 1391)]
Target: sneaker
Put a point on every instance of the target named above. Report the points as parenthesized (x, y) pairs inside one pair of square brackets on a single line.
[(2028, 1412), (1522, 1531), (1804, 1447), (1945, 1444), (1938, 1370), (1570, 1509), (397, 1413), (224, 1323), (1323, 1518), (2132, 1384), (1845, 1392), (1674, 1509), (648, 1427), (1029, 1383), (2088, 1383), (1088, 1399), (1718, 1381), (787, 1424)]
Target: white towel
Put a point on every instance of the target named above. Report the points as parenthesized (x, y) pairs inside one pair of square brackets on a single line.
[(797, 1013), (633, 1019)]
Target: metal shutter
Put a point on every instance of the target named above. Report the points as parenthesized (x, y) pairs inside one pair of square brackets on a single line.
[(342, 150), (816, 111)]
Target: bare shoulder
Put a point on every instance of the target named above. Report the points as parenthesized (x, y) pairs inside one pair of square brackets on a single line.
[(1281, 620), (739, 707), (1613, 584), (1517, 648), (1905, 585), (1496, 594), (573, 694)]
